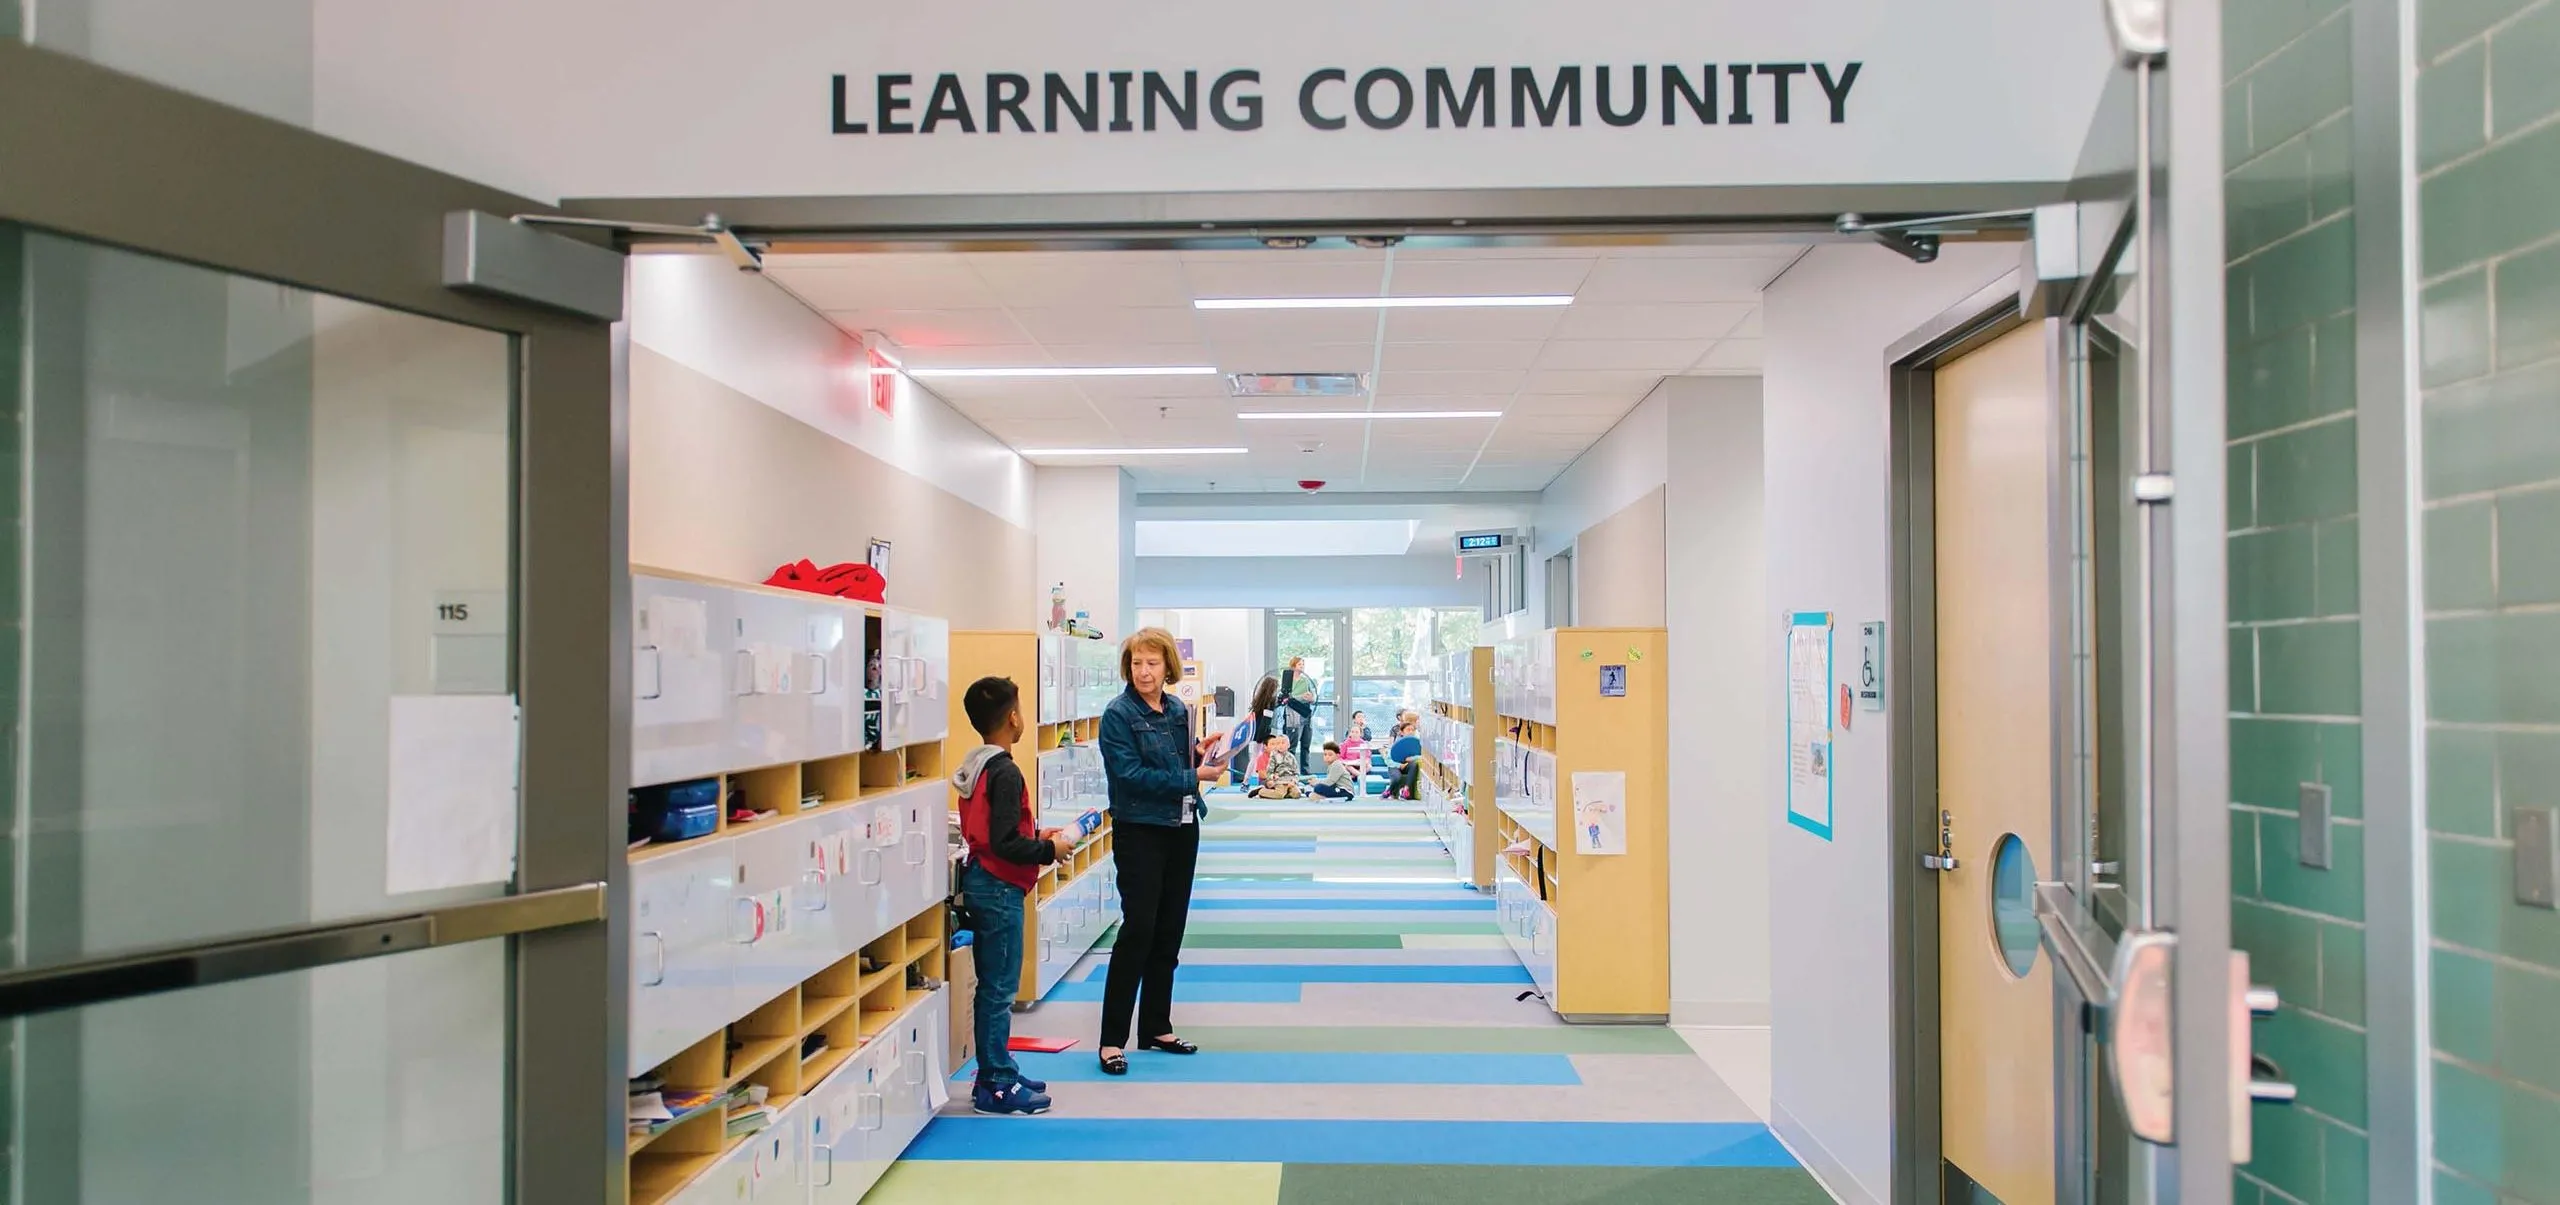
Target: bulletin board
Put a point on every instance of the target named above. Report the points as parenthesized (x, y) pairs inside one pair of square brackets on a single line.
[(1810, 769)]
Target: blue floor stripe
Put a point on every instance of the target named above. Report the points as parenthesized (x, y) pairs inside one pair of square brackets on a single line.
[(1479, 904), (1224, 845), (1056, 1138), (1281, 972), (1275, 1067), (1187, 990)]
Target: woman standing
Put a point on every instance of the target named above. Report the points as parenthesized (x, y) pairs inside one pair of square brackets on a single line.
[(1265, 718), (1298, 694), (1155, 773)]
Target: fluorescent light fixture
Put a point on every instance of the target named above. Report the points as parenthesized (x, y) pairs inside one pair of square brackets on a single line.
[(1132, 370), (1383, 303), (1360, 414), (1131, 451)]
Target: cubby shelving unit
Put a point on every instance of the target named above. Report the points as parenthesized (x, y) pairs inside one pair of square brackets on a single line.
[(1592, 929), (1078, 899), (1457, 766), (801, 952)]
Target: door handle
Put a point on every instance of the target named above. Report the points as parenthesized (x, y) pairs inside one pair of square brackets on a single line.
[(813, 885), (871, 860), (829, 1150), (821, 660), (867, 1113), (916, 849), (653, 935), (749, 678), (657, 671), (916, 1072), (747, 908)]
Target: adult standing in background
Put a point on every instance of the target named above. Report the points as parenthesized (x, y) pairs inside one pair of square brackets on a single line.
[(1155, 772), (1298, 694), (1265, 719)]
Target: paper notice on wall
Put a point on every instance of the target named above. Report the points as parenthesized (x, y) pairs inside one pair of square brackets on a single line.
[(679, 627), (1809, 733), (1600, 811), (453, 773)]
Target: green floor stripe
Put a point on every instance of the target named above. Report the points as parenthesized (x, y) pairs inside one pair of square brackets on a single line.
[(1198, 925), (1290, 941), (1431, 1184), (1440, 1039)]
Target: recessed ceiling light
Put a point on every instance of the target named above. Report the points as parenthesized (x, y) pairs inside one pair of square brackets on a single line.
[(1132, 451), (1147, 370), (1298, 384), (1381, 303), (1360, 414)]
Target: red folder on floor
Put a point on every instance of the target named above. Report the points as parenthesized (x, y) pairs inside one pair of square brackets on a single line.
[(1038, 1045)]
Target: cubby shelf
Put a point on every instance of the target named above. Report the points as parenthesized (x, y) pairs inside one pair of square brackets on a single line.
[(1593, 929), (1457, 752)]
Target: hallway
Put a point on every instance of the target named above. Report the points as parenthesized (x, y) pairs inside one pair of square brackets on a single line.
[(1363, 1042)]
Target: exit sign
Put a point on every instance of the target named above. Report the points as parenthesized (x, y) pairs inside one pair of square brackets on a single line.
[(884, 384)]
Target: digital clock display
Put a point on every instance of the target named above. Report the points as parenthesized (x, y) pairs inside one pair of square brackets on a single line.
[(1489, 540)]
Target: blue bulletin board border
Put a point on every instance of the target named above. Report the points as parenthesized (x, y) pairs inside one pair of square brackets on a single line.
[(1830, 764)]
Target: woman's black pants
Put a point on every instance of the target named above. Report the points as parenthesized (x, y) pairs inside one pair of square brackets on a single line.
[(1156, 863)]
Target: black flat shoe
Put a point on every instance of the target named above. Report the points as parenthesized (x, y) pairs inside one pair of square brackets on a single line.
[(1168, 1046), (1114, 1064)]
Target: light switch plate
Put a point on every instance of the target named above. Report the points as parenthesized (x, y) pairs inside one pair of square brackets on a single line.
[(2314, 809), (2537, 857)]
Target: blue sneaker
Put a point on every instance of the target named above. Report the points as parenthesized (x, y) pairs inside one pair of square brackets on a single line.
[(1012, 1100), (1035, 1085)]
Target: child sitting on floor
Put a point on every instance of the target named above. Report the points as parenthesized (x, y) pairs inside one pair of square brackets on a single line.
[(1279, 771), (1340, 780)]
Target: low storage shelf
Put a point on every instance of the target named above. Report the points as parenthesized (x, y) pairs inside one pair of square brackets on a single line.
[(1592, 927), (1457, 773), (788, 956)]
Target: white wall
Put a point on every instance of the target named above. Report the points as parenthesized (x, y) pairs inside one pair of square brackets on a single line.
[(1421, 580), (1087, 529), (1828, 323), (1716, 608), (746, 333), (1227, 641), (1632, 460)]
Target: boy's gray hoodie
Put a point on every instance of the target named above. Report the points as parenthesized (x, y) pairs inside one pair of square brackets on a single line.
[(1005, 801)]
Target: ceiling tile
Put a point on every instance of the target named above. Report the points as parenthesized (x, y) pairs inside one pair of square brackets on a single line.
[(1660, 356), (1279, 276), (1107, 324), (1458, 357), (1083, 278), (1495, 277), (1121, 411), (1732, 356), (1708, 321), (1473, 325), (1560, 404), (1629, 385), (1295, 357), (1750, 327), (1247, 327), (935, 328), (1560, 424), (1680, 281), (1017, 355), (1481, 385)]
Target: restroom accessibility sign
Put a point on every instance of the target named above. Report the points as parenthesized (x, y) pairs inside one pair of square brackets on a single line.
[(1335, 98)]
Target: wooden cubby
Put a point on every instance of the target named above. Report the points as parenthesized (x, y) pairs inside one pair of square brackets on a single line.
[(843, 1005), (1610, 937), (778, 793), (1472, 778)]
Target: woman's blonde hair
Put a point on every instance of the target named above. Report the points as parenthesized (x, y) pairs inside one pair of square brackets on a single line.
[(1159, 640)]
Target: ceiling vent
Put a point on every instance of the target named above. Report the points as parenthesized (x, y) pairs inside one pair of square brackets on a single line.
[(1297, 384)]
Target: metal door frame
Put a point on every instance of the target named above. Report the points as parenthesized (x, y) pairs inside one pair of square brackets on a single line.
[(1340, 696), (110, 159)]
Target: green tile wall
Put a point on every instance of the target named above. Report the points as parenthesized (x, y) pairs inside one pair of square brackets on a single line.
[(2295, 662), (2488, 149)]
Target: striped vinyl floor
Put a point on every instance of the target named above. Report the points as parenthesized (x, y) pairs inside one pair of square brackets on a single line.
[(1363, 1041)]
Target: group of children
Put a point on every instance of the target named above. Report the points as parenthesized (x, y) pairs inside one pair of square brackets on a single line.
[(1280, 773)]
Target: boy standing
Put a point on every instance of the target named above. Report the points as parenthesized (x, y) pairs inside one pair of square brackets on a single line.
[(1280, 773), (1005, 856)]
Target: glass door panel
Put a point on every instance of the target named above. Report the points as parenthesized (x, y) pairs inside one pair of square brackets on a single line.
[(1323, 638), (260, 677)]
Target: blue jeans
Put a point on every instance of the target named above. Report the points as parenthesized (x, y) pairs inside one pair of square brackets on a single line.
[(997, 948)]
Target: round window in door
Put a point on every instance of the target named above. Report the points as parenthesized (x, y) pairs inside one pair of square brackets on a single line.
[(2013, 905)]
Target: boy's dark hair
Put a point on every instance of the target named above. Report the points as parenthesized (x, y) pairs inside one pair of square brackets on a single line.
[(1332, 747), (988, 702)]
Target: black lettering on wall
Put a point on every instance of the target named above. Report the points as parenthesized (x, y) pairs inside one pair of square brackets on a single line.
[(1437, 90), (842, 124), (1675, 85), (1054, 92), (1600, 98), (1565, 97), (1837, 94), (1785, 74), (1361, 99), (1186, 111), (1005, 94), (948, 103), (1247, 111), (891, 104), (1741, 74), (1120, 81), (1307, 99)]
